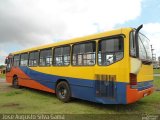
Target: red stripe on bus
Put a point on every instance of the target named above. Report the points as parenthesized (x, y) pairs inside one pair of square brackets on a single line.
[(25, 80)]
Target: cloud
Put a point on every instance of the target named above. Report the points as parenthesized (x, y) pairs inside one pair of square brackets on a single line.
[(30, 22), (152, 30), (3, 53), (37, 22)]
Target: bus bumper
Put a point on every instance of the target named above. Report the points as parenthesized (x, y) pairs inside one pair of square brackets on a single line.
[(134, 95)]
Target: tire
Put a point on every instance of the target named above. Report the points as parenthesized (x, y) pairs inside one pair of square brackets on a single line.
[(63, 91), (15, 83)]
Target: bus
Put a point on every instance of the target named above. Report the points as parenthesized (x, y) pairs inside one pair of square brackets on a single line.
[(113, 67)]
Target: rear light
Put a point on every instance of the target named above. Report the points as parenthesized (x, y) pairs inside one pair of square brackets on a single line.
[(133, 80)]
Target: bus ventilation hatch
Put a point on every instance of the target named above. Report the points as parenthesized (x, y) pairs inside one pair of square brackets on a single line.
[(105, 86)]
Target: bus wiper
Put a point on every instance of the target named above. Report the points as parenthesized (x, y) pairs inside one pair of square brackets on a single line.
[(146, 61)]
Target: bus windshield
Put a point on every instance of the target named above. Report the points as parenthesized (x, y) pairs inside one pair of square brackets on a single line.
[(144, 48)]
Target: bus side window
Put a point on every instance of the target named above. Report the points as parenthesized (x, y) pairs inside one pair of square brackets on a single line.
[(16, 60), (33, 58), (45, 57), (24, 59), (84, 54), (110, 51), (62, 56)]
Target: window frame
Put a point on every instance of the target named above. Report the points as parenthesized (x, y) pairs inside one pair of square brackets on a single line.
[(18, 60), (37, 59), (70, 49), (120, 36), (83, 42), (50, 48), (21, 57)]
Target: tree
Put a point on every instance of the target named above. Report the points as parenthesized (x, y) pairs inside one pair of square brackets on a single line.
[(2, 66)]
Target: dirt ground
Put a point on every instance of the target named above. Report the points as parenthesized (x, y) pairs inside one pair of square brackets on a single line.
[(4, 87), (2, 80)]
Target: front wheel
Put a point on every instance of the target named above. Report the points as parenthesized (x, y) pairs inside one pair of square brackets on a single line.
[(63, 91), (15, 83)]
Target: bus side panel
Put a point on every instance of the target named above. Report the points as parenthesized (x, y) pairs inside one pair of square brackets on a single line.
[(80, 88), (9, 78), (25, 80)]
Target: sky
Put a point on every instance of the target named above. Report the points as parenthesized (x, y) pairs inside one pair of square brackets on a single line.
[(29, 23)]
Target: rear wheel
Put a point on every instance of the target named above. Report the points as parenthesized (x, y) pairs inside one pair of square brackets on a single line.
[(63, 91), (15, 82)]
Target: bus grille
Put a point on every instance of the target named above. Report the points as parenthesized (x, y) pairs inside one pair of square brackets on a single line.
[(105, 85)]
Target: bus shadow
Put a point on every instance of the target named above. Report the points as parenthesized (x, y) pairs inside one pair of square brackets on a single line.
[(120, 108), (40, 92)]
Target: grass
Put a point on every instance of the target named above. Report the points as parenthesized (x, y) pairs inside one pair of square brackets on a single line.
[(2, 75), (157, 82), (33, 101), (156, 71)]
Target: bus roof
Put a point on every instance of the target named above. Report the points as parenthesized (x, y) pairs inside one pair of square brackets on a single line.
[(74, 40)]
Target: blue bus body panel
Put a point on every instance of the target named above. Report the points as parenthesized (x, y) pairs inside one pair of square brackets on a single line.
[(80, 88)]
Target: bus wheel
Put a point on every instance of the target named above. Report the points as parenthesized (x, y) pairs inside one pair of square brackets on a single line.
[(63, 91), (15, 83)]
